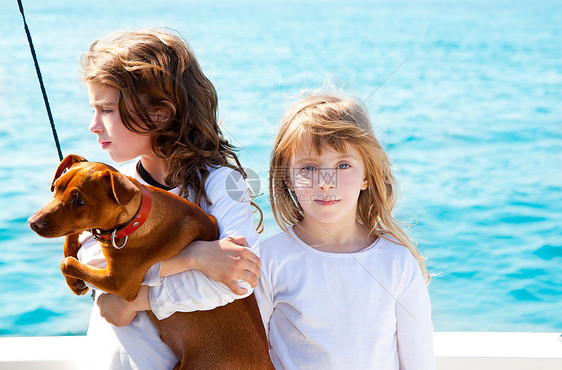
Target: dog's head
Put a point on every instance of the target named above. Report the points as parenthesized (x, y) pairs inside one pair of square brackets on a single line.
[(88, 195)]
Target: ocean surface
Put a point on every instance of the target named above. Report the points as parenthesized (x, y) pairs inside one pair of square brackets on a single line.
[(466, 96)]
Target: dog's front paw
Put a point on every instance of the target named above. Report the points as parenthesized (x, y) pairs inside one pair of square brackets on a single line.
[(69, 266), (76, 285)]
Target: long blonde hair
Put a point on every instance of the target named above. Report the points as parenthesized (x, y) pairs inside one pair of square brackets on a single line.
[(330, 121), (151, 67)]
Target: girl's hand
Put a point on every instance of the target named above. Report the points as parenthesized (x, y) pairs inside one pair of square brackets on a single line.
[(225, 260), (120, 312)]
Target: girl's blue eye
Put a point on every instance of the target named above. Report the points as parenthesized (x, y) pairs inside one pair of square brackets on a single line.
[(106, 110), (343, 166), (309, 167)]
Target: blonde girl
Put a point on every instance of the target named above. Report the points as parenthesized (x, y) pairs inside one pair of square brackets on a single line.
[(153, 104), (342, 286)]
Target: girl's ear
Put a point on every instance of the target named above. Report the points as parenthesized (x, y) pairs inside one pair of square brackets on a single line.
[(165, 113), (365, 184)]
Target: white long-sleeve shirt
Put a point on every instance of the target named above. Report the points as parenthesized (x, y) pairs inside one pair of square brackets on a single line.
[(363, 310), (138, 345)]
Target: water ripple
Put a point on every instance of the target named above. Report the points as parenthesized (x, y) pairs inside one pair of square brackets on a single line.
[(548, 252)]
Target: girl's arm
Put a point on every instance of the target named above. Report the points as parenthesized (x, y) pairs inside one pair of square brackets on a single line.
[(414, 330), (226, 261), (119, 312), (223, 260), (215, 255), (192, 290)]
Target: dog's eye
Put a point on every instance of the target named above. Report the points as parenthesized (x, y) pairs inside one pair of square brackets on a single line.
[(77, 201)]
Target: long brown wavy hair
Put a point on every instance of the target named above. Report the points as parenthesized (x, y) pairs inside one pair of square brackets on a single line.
[(151, 69), (330, 121)]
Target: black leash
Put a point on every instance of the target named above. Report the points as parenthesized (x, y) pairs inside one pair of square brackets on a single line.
[(43, 91)]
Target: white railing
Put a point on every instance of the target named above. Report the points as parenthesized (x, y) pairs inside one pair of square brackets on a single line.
[(454, 351), (498, 351)]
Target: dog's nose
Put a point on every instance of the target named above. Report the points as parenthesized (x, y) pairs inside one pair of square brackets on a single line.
[(36, 224)]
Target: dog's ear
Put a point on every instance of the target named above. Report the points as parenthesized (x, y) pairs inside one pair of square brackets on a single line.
[(66, 163), (119, 187)]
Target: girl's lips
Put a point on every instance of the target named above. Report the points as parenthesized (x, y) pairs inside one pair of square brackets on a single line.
[(326, 202), (104, 144)]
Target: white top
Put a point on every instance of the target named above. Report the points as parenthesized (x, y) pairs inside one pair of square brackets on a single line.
[(363, 310), (138, 345)]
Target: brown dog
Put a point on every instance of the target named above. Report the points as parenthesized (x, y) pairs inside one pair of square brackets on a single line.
[(129, 219)]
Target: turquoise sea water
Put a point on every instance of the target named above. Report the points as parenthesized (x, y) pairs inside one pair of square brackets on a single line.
[(465, 95)]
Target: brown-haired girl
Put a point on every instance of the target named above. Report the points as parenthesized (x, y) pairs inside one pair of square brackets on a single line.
[(342, 287), (151, 100)]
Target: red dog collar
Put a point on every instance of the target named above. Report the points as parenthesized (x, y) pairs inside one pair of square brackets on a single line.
[(130, 227)]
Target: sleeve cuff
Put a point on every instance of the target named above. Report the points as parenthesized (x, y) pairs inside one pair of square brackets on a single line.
[(152, 276), (157, 307)]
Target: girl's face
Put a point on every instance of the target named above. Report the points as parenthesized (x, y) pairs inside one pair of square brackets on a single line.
[(121, 144), (327, 185)]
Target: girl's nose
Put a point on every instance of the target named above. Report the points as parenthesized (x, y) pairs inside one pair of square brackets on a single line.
[(327, 179), (96, 125)]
